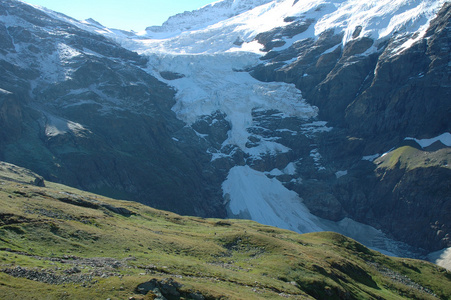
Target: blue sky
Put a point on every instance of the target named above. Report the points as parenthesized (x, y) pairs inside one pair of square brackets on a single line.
[(124, 14)]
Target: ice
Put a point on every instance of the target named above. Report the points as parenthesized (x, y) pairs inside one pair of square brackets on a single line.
[(441, 258), (444, 138), (371, 157), (290, 169), (237, 94), (252, 195), (379, 18), (56, 126), (340, 174), (255, 196), (275, 172), (316, 156), (313, 128), (66, 52)]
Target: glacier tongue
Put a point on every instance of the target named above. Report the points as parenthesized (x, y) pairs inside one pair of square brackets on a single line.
[(250, 194), (441, 258), (253, 195)]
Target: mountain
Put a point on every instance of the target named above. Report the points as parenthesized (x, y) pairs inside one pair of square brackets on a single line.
[(57, 242), (306, 115), (79, 109), (350, 110)]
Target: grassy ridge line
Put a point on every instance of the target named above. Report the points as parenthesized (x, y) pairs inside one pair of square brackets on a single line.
[(61, 243), (410, 158)]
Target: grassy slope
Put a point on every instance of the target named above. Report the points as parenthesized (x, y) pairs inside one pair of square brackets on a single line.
[(57, 229), (410, 158)]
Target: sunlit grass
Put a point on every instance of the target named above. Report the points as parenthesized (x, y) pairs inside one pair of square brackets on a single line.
[(233, 259)]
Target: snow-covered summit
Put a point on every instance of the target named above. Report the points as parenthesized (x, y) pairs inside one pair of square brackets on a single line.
[(233, 25), (207, 15)]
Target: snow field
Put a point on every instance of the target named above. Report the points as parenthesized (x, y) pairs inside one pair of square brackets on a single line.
[(444, 138), (266, 201)]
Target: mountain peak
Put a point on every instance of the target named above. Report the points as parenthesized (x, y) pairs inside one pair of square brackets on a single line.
[(206, 15)]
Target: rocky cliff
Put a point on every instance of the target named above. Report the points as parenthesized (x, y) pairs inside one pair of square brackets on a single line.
[(376, 99), (79, 109)]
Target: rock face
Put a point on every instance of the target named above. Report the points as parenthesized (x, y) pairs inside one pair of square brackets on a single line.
[(77, 108), (376, 101)]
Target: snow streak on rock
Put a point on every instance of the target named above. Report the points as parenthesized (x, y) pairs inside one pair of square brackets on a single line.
[(445, 139)]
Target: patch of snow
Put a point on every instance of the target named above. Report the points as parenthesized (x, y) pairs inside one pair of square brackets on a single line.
[(66, 52), (5, 92), (275, 172), (287, 130), (91, 53), (266, 146), (317, 159), (79, 103), (255, 196), (290, 61), (339, 174), (371, 157), (313, 128), (388, 152), (290, 169), (296, 181), (330, 50), (410, 41), (444, 138), (217, 155), (56, 126), (200, 135), (441, 258)]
